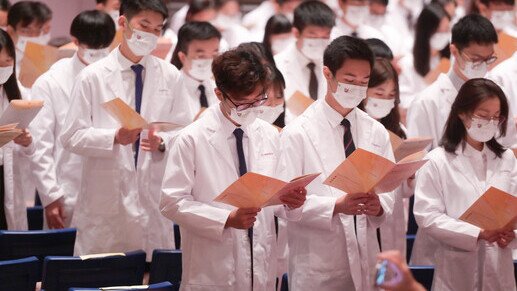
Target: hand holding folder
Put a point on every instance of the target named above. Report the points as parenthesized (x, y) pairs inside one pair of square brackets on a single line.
[(494, 210), (130, 119), (253, 190), (403, 148), (298, 103), (364, 172)]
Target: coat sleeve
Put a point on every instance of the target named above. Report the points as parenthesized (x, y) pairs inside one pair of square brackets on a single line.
[(430, 211), (419, 121), (177, 202), (43, 131), (79, 135)]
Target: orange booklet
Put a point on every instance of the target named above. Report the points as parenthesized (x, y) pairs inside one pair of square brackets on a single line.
[(364, 171), (494, 210), (507, 44), (21, 112), (37, 59), (130, 119), (405, 147), (255, 190), (298, 103)]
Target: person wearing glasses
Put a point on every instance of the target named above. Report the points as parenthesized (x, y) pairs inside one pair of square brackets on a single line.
[(224, 247), (468, 162)]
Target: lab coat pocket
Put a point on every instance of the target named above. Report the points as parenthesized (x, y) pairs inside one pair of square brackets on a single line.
[(103, 192), (212, 262), (458, 268), (265, 165)]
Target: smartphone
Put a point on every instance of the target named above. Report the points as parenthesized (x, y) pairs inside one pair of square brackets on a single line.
[(388, 274)]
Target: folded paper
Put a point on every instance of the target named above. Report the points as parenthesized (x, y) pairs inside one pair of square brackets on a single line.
[(405, 147)]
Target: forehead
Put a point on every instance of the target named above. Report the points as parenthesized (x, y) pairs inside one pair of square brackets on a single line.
[(149, 16), (354, 67), (482, 50)]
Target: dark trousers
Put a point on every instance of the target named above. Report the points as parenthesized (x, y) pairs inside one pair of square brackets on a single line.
[(3, 221)]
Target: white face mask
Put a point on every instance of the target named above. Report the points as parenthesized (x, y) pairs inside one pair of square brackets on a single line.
[(142, 43), (201, 69), (45, 38), (482, 131), (356, 15), (270, 113), (280, 44), (376, 21), (379, 108), (313, 48), (349, 95), (502, 19), (90, 56), (23, 40), (439, 40), (5, 74), (244, 117), (472, 71)]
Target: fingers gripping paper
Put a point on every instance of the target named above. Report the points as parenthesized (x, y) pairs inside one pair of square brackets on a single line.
[(255, 190)]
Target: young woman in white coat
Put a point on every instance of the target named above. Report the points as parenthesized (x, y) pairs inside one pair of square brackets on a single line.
[(225, 248), (382, 104), (13, 215), (468, 162)]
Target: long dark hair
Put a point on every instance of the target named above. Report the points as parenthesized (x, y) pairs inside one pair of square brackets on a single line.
[(426, 26), (11, 86), (383, 71), (471, 94), (276, 24)]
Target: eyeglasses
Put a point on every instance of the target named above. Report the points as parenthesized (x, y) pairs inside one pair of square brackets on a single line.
[(244, 106), (476, 63), (486, 120)]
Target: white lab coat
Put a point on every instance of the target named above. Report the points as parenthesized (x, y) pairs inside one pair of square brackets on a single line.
[(505, 75), (200, 167), (321, 244), (57, 172), (255, 20), (192, 90), (411, 82), (117, 208), (293, 65), (445, 188)]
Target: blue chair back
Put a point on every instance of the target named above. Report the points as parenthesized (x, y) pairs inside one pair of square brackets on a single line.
[(39, 243), (166, 266), (35, 217), (284, 286), (164, 286), (19, 275), (410, 241), (62, 273), (177, 236), (424, 275)]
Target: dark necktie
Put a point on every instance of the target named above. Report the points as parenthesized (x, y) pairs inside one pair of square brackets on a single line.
[(313, 82), (139, 88), (348, 141), (239, 133), (202, 96)]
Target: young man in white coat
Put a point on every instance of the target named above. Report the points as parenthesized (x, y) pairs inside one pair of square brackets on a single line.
[(505, 75), (225, 248), (117, 208), (301, 63), (57, 172), (334, 245)]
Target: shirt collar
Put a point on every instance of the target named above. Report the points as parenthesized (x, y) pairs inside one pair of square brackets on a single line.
[(191, 83), (77, 65), (302, 59), (471, 152), (334, 118), (126, 64), (456, 80), (227, 127)]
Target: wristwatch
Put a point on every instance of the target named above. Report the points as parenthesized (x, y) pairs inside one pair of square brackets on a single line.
[(161, 147)]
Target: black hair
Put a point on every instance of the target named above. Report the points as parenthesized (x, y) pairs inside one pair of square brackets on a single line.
[(344, 48), (278, 83), (382, 2), (11, 85), (260, 50), (130, 8), (470, 95), (93, 28), (315, 13), (379, 48), (473, 28), (189, 32), (23, 13), (488, 2), (5, 5), (196, 6), (43, 12), (101, 1), (239, 73), (276, 24)]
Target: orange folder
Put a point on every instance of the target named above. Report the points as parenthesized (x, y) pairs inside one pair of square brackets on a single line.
[(298, 103), (405, 147), (364, 171), (494, 210), (255, 190), (507, 44)]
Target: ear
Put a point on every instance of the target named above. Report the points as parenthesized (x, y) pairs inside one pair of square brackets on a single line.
[(219, 94), (183, 57), (328, 74), (296, 33), (463, 117), (123, 22)]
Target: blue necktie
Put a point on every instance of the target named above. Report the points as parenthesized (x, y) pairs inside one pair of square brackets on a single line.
[(348, 141), (139, 89), (239, 133)]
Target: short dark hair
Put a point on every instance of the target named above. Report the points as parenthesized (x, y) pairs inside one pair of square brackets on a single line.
[(239, 72), (5, 5), (101, 1), (473, 28), (11, 85), (382, 2), (470, 95), (260, 50), (379, 48), (196, 6), (487, 2), (24, 13), (345, 48), (130, 8), (93, 28), (189, 32), (43, 12), (276, 24), (315, 13)]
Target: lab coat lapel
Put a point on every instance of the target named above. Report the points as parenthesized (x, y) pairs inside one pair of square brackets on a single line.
[(113, 76), (364, 137), (152, 83), (493, 167), (463, 165), (217, 138), (254, 145)]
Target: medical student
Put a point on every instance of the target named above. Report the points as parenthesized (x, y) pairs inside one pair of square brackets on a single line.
[(225, 248), (57, 171), (351, 20), (13, 212), (117, 205), (382, 104), (301, 63), (468, 162), (5, 5), (198, 45), (472, 50), (505, 75), (112, 7), (278, 34), (500, 12), (335, 241), (419, 69)]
